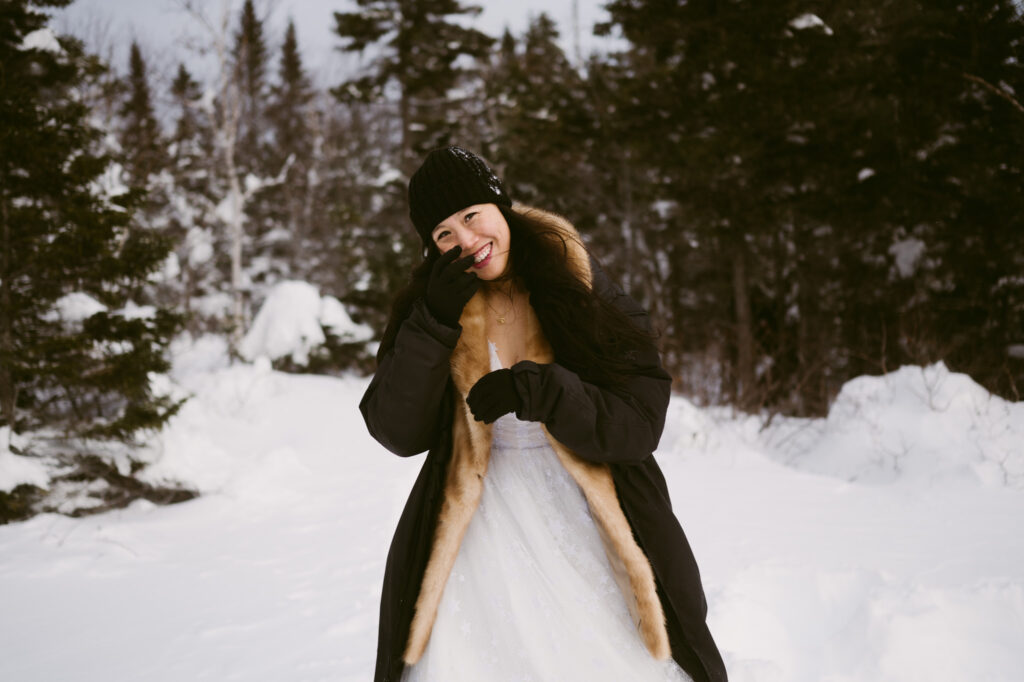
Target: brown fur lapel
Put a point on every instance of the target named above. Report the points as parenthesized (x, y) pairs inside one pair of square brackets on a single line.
[(471, 446)]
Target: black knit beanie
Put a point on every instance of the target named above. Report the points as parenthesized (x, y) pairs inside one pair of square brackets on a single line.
[(449, 180)]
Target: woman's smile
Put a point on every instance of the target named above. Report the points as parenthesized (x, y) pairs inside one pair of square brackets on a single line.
[(480, 230), (482, 257)]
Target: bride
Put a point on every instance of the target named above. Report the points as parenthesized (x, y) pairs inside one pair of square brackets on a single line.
[(538, 542)]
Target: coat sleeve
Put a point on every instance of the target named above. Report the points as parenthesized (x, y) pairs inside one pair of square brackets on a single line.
[(403, 403), (601, 424)]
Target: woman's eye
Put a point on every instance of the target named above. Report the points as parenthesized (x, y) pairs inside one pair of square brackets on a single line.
[(468, 216), (442, 235)]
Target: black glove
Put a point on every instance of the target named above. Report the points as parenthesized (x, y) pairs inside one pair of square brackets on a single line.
[(493, 396), (450, 287)]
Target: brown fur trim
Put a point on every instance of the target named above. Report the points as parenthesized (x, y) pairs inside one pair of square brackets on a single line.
[(625, 555), (471, 446)]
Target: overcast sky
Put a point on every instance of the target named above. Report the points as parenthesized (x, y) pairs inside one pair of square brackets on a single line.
[(161, 27)]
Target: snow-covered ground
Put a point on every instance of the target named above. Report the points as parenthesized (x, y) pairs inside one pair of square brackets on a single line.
[(880, 544)]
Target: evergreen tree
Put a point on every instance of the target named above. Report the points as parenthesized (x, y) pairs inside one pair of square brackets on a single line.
[(67, 229), (140, 132), (419, 45), (811, 156), (954, 80), (539, 136), (189, 143), (289, 205), (191, 201), (250, 64)]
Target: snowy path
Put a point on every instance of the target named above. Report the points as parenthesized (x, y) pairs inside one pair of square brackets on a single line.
[(274, 574)]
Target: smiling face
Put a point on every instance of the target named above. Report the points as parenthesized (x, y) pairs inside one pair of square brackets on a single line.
[(481, 230)]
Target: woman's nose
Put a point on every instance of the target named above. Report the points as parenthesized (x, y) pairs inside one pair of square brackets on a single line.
[(466, 239)]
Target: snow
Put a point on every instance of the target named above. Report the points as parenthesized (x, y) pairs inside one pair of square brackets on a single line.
[(15, 469), (387, 176), (110, 184), (199, 246), (334, 316), (133, 311), (42, 39), (229, 209), (907, 254), (918, 425), (290, 323), (865, 173), (806, 21), (822, 560), (74, 307)]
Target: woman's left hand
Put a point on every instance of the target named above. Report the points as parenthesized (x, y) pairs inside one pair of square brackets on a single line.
[(493, 396)]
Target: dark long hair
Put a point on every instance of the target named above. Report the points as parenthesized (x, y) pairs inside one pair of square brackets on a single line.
[(587, 333)]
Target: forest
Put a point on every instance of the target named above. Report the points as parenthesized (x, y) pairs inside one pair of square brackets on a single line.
[(800, 193)]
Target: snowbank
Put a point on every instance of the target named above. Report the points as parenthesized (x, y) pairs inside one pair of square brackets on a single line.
[(274, 573), (923, 424), (290, 324)]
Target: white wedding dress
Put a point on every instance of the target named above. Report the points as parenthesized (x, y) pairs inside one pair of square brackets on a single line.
[(531, 595)]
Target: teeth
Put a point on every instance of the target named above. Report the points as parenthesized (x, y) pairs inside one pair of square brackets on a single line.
[(482, 253)]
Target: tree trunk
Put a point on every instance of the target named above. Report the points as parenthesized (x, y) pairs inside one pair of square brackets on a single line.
[(8, 391), (745, 379), (236, 234), (408, 162)]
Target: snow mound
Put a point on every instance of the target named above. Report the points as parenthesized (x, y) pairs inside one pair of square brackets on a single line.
[(334, 316), (798, 623), (291, 322), (926, 424), (16, 470)]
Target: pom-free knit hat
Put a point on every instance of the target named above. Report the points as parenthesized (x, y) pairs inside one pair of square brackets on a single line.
[(449, 180)]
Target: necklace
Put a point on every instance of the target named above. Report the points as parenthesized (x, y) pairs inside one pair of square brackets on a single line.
[(503, 317)]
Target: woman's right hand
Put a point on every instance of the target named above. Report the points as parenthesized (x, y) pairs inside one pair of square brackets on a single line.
[(450, 287)]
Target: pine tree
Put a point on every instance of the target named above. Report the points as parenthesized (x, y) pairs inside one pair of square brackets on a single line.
[(540, 126), (808, 153), (250, 63), (67, 229), (239, 172), (190, 141), (191, 201), (955, 81), (289, 205), (140, 132), (419, 46)]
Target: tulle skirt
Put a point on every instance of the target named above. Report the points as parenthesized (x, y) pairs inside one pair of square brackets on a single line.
[(532, 595)]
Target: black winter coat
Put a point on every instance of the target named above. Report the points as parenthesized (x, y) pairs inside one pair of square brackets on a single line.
[(408, 408)]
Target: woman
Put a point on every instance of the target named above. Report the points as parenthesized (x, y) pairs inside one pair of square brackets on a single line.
[(538, 541)]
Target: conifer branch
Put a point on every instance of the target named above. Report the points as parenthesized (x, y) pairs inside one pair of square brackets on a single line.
[(996, 91)]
